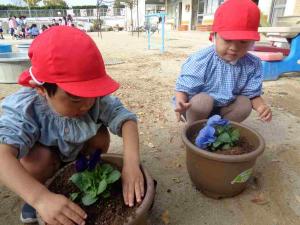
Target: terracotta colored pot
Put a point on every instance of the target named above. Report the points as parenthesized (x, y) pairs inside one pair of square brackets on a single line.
[(141, 214), (218, 175)]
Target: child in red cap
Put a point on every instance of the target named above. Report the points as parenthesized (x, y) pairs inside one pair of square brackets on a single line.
[(65, 108), (224, 79)]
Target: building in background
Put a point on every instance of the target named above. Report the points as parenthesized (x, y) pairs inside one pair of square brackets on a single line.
[(281, 12), (155, 6), (142, 8), (191, 14), (199, 14)]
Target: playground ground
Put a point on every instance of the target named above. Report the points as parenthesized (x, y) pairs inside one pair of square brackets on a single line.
[(147, 81)]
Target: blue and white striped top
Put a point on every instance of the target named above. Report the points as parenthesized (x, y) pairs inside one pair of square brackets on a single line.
[(206, 72)]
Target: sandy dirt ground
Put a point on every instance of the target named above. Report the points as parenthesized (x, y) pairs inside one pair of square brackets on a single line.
[(147, 81)]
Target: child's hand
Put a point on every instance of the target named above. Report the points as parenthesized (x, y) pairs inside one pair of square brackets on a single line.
[(133, 184), (57, 209), (181, 107), (264, 113)]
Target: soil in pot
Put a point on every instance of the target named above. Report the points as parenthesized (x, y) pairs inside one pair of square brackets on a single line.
[(109, 211), (242, 147)]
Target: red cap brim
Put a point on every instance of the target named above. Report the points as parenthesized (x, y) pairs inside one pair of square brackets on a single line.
[(239, 35), (101, 86), (24, 78)]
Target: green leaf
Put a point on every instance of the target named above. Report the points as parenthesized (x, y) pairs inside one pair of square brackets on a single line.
[(105, 194), (77, 179), (216, 144), (74, 196), (88, 200), (224, 138), (235, 135), (106, 168), (92, 192), (88, 176), (96, 183), (220, 129), (226, 146), (243, 177), (113, 177), (101, 187)]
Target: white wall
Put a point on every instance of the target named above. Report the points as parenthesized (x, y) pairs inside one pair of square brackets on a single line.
[(141, 10), (265, 6), (289, 7), (186, 15)]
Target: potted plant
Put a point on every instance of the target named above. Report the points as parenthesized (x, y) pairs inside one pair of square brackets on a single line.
[(104, 203), (220, 155)]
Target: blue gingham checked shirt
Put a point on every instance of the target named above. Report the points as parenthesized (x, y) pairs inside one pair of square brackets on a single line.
[(27, 118), (206, 72)]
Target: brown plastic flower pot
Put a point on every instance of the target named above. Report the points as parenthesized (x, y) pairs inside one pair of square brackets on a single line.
[(218, 175), (141, 214)]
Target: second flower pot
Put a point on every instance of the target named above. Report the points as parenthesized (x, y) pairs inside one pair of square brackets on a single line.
[(218, 175)]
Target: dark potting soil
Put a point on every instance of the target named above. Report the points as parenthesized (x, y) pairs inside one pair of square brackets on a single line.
[(109, 211), (242, 147)]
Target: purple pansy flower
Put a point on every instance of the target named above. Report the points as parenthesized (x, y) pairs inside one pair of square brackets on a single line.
[(82, 163), (217, 120), (94, 159), (205, 137)]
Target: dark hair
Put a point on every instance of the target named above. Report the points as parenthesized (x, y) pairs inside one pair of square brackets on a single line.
[(51, 88)]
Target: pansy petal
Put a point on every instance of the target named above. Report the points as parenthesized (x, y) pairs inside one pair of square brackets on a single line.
[(213, 119), (94, 159), (200, 141), (207, 131), (212, 139), (210, 131), (222, 122), (81, 163), (206, 136)]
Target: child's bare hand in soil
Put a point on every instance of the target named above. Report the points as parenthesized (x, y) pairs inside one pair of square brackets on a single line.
[(133, 184), (264, 113), (57, 209)]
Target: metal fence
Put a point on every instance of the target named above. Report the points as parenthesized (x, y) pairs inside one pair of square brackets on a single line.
[(63, 12)]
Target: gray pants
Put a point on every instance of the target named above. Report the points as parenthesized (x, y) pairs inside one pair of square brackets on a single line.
[(203, 106)]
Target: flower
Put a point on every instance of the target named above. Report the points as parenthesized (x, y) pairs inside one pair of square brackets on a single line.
[(217, 120), (205, 137), (82, 163)]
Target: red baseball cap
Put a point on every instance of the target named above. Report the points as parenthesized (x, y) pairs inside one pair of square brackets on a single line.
[(69, 58), (237, 20)]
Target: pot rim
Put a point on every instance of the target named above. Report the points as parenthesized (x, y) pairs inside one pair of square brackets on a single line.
[(146, 202), (220, 157), (149, 195)]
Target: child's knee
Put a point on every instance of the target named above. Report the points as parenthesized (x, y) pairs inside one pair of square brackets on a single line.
[(41, 162), (202, 97), (100, 141), (202, 101), (239, 110), (244, 104)]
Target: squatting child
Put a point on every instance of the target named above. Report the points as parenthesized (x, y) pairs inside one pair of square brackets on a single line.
[(224, 78), (65, 108)]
